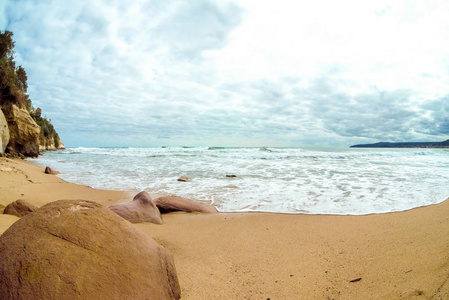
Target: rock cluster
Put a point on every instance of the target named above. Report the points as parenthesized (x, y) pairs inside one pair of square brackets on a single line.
[(74, 249), (144, 209)]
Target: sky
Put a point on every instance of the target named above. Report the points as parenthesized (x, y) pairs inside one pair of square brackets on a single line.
[(245, 73)]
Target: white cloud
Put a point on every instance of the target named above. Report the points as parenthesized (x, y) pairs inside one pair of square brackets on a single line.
[(250, 72), (304, 38)]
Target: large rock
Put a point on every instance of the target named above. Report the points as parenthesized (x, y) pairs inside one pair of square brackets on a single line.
[(140, 209), (168, 204), (74, 249), (20, 208), (50, 171), (4, 133), (23, 131)]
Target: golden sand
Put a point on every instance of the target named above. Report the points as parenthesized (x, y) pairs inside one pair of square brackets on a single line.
[(402, 255)]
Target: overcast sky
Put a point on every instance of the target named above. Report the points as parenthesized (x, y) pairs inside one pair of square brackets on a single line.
[(235, 73)]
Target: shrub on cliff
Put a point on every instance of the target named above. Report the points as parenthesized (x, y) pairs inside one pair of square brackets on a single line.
[(48, 133)]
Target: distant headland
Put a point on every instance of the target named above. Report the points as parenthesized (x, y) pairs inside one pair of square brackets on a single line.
[(444, 144)]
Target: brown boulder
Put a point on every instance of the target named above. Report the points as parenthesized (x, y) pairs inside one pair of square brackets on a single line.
[(23, 131), (140, 209), (74, 249), (4, 133), (20, 208), (174, 203), (50, 171), (184, 179)]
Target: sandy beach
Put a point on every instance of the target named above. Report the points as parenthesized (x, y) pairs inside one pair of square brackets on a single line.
[(402, 255)]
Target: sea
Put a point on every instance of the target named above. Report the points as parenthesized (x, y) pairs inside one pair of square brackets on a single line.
[(341, 181)]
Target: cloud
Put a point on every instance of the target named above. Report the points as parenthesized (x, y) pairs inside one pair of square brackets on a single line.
[(246, 73), (3, 16)]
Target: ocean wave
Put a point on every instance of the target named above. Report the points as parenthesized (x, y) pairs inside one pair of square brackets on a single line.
[(265, 149), (217, 148), (288, 180)]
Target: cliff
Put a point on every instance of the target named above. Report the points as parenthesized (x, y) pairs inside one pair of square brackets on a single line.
[(4, 133), (48, 137), (22, 129), (24, 133), (51, 144)]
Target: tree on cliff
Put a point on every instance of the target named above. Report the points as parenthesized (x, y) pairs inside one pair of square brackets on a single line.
[(7, 64), (6, 45), (22, 78), (11, 78)]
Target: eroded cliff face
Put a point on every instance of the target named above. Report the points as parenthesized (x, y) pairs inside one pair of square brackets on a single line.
[(61, 145), (51, 144), (23, 131), (4, 133), (21, 135)]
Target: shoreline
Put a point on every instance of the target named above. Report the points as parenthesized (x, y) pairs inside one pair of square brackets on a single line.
[(261, 255), (314, 181)]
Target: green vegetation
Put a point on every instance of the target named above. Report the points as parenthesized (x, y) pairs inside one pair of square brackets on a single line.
[(13, 88), (13, 81), (48, 132)]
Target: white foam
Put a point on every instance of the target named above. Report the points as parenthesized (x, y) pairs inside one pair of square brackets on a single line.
[(316, 181)]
